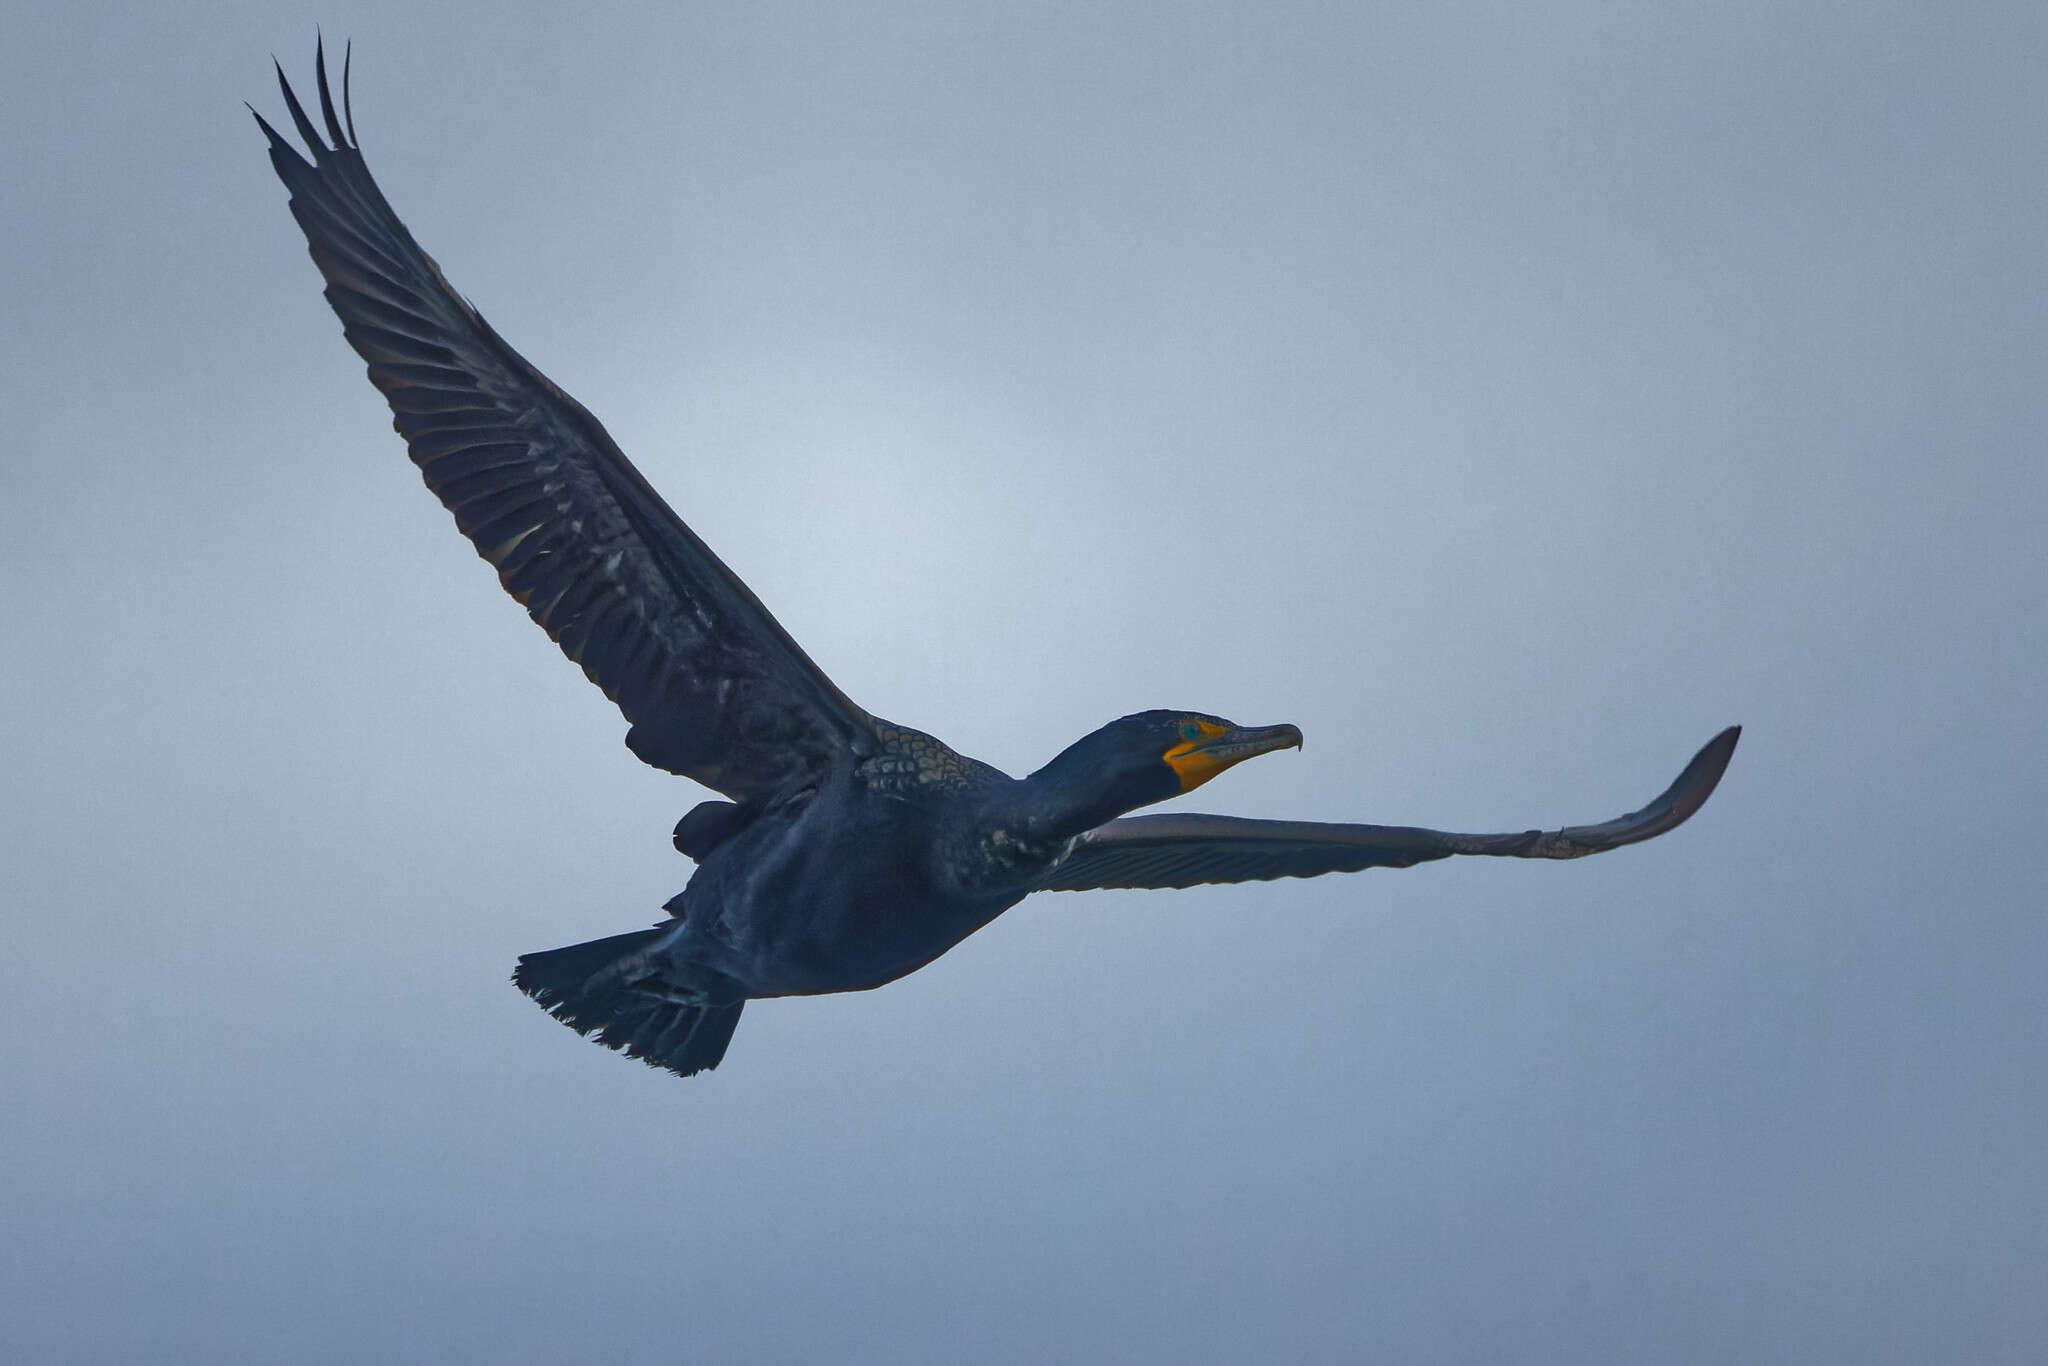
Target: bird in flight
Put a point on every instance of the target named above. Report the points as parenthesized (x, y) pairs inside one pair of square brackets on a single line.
[(849, 850)]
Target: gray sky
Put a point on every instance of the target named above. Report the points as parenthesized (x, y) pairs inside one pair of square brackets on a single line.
[(1510, 396)]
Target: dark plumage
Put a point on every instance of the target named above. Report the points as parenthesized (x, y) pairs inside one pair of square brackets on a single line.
[(851, 851)]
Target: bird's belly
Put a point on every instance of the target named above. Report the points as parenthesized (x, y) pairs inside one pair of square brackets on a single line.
[(797, 919), (848, 939)]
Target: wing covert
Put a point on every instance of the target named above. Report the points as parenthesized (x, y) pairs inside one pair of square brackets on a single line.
[(1185, 850), (715, 689)]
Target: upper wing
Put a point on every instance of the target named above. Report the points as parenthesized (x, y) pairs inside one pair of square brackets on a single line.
[(1180, 851), (715, 688)]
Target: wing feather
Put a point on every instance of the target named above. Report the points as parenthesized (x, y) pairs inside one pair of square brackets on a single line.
[(715, 689), (1185, 850)]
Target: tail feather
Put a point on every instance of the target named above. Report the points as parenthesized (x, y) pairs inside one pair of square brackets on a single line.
[(593, 989)]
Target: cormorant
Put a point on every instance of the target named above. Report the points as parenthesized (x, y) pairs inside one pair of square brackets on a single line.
[(851, 850)]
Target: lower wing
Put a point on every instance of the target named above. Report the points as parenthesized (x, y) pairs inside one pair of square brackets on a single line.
[(1183, 850)]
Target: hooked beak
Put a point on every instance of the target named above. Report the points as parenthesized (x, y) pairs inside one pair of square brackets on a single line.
[(1198, 761)]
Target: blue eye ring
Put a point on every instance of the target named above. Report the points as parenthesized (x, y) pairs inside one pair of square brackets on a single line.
[(1191, 731)]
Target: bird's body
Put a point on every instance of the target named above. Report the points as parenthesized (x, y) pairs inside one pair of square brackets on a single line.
[(876, 869), (851, 850)]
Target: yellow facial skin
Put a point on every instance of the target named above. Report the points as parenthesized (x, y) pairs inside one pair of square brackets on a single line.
[(1194, 764)]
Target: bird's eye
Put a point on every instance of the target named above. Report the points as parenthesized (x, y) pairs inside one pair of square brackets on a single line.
[(1191, 731)]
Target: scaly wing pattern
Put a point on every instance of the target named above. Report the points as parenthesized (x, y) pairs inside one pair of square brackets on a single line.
[(715, 689), (1183, 850)]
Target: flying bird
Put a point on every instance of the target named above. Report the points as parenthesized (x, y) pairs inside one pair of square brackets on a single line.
[(848, 850)]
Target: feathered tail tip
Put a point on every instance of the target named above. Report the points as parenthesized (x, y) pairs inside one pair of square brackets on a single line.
[(575, 986)]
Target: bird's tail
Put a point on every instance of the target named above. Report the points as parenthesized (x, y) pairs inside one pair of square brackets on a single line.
[(593, 989)]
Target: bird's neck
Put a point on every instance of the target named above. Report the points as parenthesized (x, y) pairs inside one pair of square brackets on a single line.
[(1071, 794)]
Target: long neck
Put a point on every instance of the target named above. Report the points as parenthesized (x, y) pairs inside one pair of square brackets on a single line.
[(1077, 791)]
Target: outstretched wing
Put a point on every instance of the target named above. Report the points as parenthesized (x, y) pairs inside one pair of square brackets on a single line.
[(715, 689), (1181, 851)]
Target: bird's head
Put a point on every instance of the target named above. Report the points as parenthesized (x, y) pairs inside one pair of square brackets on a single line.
[(1150, 756)]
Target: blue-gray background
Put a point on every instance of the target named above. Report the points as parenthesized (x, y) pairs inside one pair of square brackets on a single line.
[(1509, 395)]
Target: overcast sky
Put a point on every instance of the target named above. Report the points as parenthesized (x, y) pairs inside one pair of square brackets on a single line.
[(1510, 396)]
